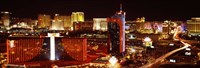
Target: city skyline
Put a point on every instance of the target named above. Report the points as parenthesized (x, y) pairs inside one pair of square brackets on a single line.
[(99, 34), (152, 10)]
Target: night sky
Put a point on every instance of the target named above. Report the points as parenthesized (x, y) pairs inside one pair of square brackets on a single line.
[(151, 9)]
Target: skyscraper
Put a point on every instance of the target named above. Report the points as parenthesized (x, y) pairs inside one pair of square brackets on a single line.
[(77, 17), (67, 22), (116, 28), (44, 21), (5, 18), (58, 22)]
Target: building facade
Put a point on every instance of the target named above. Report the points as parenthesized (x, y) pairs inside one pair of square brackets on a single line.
[(193, 25), (100, 24), (5, 18), (44, 21), (77, 17), (116, 29), (68, 25), (58, 22), (84, 26)]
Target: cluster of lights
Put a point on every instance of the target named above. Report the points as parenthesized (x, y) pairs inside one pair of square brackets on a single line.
[(172, 60), (3, 58), (188, 53), (171, 44), (12, 43), (113, 63), (113, 60), (5, 12), (88, 65)]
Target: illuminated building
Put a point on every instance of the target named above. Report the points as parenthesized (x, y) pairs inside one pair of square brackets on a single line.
[(67, 22), (77, 17), (30, 22), (178, 30), (57, 25), (87, 25), (140, 19), (169, 27), (31, 48), (116, 29), (23, 49), (157, 27), (23, 23), (193, 25), (165, 28), (147, 42), (44, 21), (65, 19), (58, 22), (5, 18), (76, 48), (100, 24), (33, 23), (149, 27)]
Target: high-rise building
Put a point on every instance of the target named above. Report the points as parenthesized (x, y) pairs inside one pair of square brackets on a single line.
[(193, 25), (77, 17), (67, 22), (44, 21), (61, 22), (100, 24), (58, 22), (5, 18), (116, 29)]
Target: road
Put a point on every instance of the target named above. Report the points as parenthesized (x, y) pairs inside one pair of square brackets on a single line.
[(160, 59)]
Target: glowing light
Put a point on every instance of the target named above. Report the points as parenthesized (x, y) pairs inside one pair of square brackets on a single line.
[(172, 60), (77, 16), (25, 49), (54, 34), (132, 50), (171, 44), (188, 49), (152, 47), (128, 57), (12, 44), (147, 39), (187, 53), (56, 14), (12, 52), (166, 21), (52, 48), (5, 12), (113, 60)]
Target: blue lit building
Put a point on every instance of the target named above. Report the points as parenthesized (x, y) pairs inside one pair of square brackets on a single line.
[(116, 29)]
